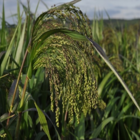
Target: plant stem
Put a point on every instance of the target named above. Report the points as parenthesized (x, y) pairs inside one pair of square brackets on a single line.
[(24, 91), (18, 126), (21, 105), (14, 94)]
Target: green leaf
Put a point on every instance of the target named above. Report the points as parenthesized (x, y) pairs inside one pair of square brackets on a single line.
[(105, 58), (20, 46), (39, 136), (33, 109), (97, 131), (36, 9), (2, 53), (29, 73), (45, 4), (5, 117), (125, 108), (128, 133), (5, 59), (127, 116), (73, 34), (19, 21), (3, 31), (80, 128), (136, 136), (43, 121), (8, 135), (110, 106), (104, 82)]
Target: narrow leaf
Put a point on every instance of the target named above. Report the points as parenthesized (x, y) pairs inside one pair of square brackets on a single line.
[(4, 62), (33, 109), (136, 136), (5, 117), (43, 121), (80, 128), (74, 34), (3, 35), (36, 8), (103, 83), (20, 45), (97, 131), (105, 58), (39, 135), (128, 133)]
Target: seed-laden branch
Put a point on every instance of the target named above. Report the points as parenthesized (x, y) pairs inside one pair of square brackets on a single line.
[(67, 57), (24, 90)]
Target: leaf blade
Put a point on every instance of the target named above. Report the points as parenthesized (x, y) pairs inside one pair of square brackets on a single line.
[(43, 121), (105, 58)]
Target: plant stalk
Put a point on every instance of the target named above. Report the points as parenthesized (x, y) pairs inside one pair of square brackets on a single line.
[(24, 91), (21, 105), (14, 94), (18, 126)]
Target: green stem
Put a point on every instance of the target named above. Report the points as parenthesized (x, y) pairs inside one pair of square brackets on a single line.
[(18, 126), (24, 91), (14, 94), (21, 105)]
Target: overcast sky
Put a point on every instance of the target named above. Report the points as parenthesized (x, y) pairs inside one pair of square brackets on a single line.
[(122, 9)]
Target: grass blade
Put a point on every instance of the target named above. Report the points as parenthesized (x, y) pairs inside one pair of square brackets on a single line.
[(4, 62), (36, 9), (19, 21), (103, 83), (20, 46), (43, 121), (39, 135), (33, 109), (128, 133), (73, 34), (3, 34), (80, 128), (45, 4), (136, 136), (8, 135), (97, 131), (5, 117), (105, 58)]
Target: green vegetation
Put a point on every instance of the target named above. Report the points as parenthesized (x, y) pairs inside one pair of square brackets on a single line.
[(57, 83), (121, 23)]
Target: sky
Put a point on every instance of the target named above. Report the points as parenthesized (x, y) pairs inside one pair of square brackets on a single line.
[(118, 9)]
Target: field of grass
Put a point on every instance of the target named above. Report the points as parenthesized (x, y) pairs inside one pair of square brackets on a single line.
[(64, 77)]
